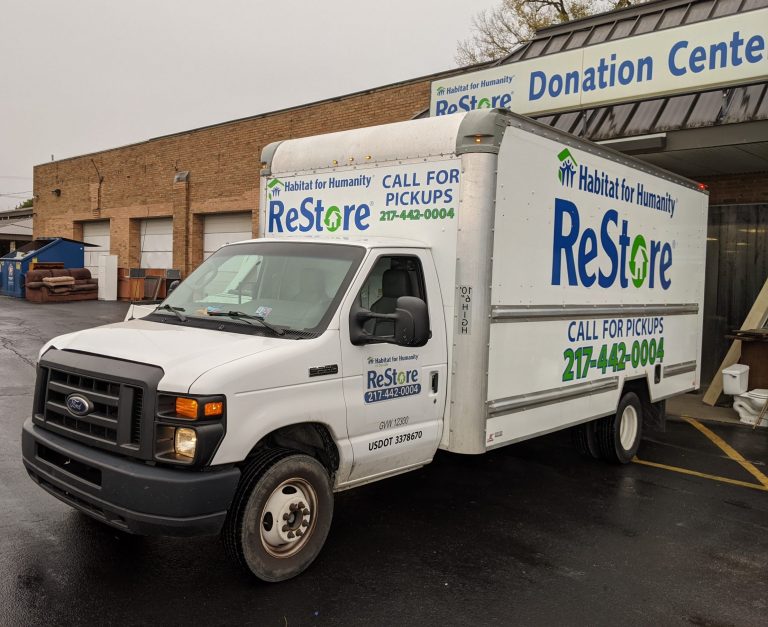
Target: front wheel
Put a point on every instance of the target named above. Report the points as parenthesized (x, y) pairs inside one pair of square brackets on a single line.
[(618, 436), (281, 515)]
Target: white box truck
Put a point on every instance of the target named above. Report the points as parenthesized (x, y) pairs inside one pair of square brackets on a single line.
[(458, 283)]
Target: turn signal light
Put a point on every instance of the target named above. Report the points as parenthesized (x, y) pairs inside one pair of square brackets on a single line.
[(187, 407), (213, 409)]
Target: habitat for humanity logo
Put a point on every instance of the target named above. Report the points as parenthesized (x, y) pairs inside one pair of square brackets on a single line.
[(441, 91), (567, 172), (273, 188)]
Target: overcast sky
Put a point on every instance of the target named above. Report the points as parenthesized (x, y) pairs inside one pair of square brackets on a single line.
[(83, 75)]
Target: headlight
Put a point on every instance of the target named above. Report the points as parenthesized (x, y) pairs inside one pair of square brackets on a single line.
[(189, 428), (185, 442)]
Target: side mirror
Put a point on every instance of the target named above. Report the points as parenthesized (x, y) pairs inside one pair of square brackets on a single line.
[(172, 286), (411, 322)]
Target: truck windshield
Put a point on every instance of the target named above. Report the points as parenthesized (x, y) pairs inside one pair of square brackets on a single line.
[(292, 286)]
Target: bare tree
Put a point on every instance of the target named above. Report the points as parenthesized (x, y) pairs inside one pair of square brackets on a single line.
[(498, 31)]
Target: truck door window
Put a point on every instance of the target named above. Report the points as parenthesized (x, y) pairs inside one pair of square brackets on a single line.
[(391, 277)]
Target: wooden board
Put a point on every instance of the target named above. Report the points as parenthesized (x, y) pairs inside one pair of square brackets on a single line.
[(755, 320), (755, 355)]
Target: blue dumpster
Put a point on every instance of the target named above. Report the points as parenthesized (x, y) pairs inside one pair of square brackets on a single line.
[(16, 263)]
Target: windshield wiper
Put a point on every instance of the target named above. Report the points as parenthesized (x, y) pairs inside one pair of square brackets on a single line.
[(241, 315), (174, 310)]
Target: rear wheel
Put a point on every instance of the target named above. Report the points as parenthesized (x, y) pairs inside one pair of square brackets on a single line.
[(584, 438), (281, 517), (618, 436)]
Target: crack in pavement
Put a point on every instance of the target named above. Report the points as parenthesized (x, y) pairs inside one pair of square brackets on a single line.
[(6, 343)]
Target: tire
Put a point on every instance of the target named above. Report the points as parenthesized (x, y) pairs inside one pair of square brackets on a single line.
[(584, 439), (280, 516), (618, 436)]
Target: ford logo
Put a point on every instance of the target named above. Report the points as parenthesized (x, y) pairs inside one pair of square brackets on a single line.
[(79, 405)]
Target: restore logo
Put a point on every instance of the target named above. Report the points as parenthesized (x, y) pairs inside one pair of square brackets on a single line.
[(312, 215), (598, 255)]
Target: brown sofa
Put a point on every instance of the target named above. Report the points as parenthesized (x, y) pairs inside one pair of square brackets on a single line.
[(63, 284)]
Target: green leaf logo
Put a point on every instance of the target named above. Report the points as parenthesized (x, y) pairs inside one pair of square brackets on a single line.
[(332, 219), (638, 261)]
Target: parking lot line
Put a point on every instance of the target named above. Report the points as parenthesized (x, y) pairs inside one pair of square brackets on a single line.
[(728, 450), (685, 471)]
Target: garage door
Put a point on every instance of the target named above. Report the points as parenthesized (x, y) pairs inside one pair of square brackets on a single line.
[(157, 243), (95, 233), (225, 229)]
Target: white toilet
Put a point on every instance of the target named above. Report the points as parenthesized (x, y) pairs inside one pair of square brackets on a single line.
[(750, 403)]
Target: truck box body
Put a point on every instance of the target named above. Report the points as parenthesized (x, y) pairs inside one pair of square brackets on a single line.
[(565, 268)]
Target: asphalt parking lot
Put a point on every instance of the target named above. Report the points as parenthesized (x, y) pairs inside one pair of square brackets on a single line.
[(528, 534)]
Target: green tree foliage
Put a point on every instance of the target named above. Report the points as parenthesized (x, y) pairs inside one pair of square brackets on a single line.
[(498, 31), (24, 205)]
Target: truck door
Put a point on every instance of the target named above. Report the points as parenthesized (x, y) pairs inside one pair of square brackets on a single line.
[(395, 395)]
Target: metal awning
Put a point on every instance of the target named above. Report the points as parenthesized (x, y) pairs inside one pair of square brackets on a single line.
[(716, 132), (633, 20), (16, 229)]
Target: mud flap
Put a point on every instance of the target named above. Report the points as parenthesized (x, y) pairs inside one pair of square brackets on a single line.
[(654, 415)]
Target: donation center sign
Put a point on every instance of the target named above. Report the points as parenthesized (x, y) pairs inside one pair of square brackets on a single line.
[(719, 52)]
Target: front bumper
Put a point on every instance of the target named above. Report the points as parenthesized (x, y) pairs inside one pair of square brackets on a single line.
[(125, 493)]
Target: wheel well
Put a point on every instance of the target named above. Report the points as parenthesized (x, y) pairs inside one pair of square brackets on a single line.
[(654, 414), (311, 438)]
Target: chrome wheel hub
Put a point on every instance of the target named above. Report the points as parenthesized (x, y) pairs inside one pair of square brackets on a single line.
[(288, 518)]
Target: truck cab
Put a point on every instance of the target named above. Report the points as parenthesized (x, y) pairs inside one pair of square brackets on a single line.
[(291, 347)]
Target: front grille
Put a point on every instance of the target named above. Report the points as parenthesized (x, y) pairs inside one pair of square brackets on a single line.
[(81, 425), (117, 401), (101, 423), (117, 404)]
